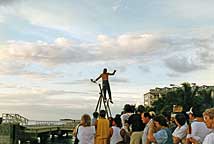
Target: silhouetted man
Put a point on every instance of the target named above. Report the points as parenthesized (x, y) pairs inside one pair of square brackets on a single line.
[(106, 85)]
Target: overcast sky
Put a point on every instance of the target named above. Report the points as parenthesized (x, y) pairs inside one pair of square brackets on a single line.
[(49, 50)]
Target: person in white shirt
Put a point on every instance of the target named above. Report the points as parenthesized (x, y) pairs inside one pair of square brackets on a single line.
[(114, 131), (147, 119), (86, 132), (181, 130), (198, 128), (209, 120), (125, 116)]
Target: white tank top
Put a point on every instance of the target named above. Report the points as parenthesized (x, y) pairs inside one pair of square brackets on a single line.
[(116, 137)]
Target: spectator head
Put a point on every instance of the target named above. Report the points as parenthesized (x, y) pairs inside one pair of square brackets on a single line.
[(145, 117), (180, 119), (95, 114), (102, 113), (117, 121), (209, 118), (159, 121), (127, 108), (86, 120), (195, 112), (140, 109)]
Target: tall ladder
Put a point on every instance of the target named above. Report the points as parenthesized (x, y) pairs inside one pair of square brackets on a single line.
[(105, 103)]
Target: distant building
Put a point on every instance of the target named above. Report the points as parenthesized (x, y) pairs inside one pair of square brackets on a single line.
[(155, 94)]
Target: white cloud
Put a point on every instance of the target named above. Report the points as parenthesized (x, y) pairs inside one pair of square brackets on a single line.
[(132, 47)]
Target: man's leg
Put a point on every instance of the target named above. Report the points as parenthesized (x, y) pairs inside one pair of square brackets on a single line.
[(104, 93), (109, 93)]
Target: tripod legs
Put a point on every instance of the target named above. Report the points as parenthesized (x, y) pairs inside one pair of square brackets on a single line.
[(106, 105)]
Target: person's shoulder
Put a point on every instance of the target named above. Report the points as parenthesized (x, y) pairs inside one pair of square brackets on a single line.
[(209, 139)]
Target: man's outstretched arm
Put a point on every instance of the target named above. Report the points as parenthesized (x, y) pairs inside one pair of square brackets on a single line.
[(98, 78), (113, 72)]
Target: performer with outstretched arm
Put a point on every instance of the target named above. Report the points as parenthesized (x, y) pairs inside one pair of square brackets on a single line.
[(105, 83)]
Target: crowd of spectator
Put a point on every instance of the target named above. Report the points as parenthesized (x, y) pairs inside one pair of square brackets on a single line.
[(138, 126)]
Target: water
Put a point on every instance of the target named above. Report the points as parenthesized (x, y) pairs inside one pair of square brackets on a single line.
[(67, 140), (62, 140)]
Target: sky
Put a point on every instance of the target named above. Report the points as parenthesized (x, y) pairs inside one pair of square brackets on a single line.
[(50, 49)]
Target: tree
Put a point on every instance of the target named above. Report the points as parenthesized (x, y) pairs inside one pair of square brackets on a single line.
[(184, 95)]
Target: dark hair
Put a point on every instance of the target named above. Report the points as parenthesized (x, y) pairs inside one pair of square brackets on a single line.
[(161, 120), (104, 70), (127, 108), (140, 109), (117, 121), (102, 113), (197, 111), (146, 114), (180, 118), (95, 114)]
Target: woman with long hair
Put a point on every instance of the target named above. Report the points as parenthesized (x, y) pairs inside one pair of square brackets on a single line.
[(86, 132)]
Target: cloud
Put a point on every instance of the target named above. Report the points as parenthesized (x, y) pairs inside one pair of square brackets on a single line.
[(7, 2), (58, 52), (173, 50), (206, 50), (182, 64), (63, 51)]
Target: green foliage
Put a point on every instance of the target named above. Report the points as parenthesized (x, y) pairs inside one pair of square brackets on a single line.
[(186, 95)]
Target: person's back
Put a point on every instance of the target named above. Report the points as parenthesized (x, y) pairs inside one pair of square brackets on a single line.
[(116, 137), (199, 131), (137, 125), (105, 83), (198, 128), (86, 134), (102, 131), (102, 128), (164, 136)]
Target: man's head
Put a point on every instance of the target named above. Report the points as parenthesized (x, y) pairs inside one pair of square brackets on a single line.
[(145, 117), (160, 121), (95, 114), (180, 119), (140, 109), (195, 112), (105, 70), (102, 113), (127, 108)]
